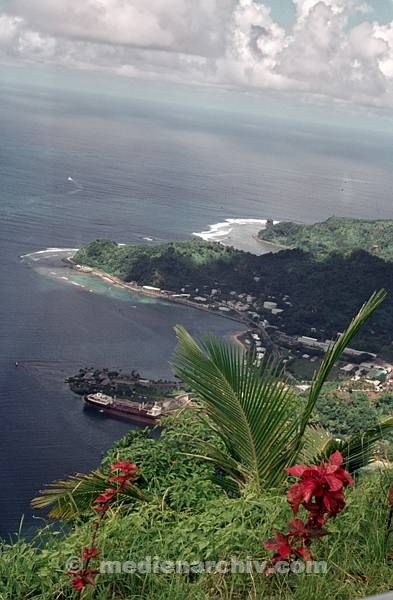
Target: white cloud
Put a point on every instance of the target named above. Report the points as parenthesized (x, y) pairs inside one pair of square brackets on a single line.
[(18, 40), (325, 57), (8, 29), (385, 33), (175, 25), (219, 42), (338, 7)]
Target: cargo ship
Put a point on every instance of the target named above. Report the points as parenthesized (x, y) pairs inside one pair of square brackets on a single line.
[(132, 411)]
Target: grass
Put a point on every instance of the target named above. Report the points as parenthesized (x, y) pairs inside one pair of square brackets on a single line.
[(221, 528)]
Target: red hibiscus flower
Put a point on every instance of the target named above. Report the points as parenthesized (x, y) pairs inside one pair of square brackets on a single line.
[(306, 531), (324, 483), (297, 528), (78, 583), (88, 553), (126, 466), (303, 552), (280, 545), (286, 547), (106, 496), (86, 575), (81, 579), (320, 490)]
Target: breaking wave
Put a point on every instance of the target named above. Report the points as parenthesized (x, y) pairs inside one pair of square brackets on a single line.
[(219, 231)]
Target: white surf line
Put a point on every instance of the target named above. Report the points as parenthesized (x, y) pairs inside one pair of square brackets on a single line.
[(50, 251), (217, 231), (77, 284)]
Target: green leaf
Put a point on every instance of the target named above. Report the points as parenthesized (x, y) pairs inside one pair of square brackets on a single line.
[(253, 410), (72, 498)]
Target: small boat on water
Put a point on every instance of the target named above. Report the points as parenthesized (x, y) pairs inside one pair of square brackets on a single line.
[(132, 411)]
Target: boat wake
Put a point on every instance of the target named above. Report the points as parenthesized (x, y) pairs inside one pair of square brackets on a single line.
[(74, 185)]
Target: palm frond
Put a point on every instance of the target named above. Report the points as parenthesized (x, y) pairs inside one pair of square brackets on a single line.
[(331, 357), (337, 348), (252, 408), (211, 453), (358, 450), (72, 498), (316, 440)]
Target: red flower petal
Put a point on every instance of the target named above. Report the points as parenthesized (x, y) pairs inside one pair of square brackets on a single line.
[(279, 544), (309, 486), (336, 458), (297, 527), (125, 466), (347, 479), (334, 483), (304, 552), (297, 470), (106, 496), (90, 553), (295, 496), (78, 583)]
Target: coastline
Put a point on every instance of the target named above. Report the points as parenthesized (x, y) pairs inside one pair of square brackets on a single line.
[(165, 297), (274, 246), (241, 234), (235, 339)]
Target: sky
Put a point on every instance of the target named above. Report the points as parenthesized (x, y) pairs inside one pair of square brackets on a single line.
[(319, 52)]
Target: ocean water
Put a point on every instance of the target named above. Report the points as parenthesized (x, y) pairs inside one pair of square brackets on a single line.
[(78, 166)]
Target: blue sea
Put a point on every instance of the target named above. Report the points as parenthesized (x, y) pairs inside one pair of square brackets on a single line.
[(76, 166)]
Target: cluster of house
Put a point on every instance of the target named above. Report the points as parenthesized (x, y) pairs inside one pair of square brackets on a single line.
[(243, 304), (374, 373), (350, 353), (234, 302), (254, 343), (365, 366)]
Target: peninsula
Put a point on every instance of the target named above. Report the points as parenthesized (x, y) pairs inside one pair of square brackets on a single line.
[(295, 293)]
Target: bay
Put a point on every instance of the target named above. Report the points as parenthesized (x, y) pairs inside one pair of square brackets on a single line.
[(76, 166)]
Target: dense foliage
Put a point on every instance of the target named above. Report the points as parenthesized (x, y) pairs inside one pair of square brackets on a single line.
[(256, 415), (192, 520), (181, 515), (164, 265), (322, 294), (345, 413), (337, 234)]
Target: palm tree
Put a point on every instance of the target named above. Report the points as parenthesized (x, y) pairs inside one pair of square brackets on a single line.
[(257, 416)]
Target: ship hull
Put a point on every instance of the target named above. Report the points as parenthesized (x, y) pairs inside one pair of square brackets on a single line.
[(129, 415)]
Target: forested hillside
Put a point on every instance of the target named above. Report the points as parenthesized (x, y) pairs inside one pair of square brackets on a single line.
[(314, 294), (337, 234)]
